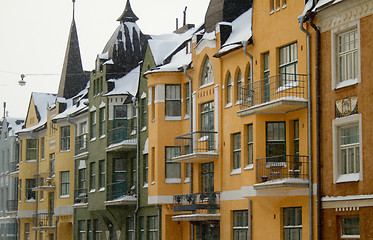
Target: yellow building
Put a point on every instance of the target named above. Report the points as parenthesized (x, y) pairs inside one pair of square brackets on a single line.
[(229, 156)]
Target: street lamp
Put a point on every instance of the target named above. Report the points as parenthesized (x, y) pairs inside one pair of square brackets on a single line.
[(22, 82)]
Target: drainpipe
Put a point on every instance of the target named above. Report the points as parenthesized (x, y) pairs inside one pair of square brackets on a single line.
[(135, 104), (190, 130), (310, 187), (244, 43), (318, 123)]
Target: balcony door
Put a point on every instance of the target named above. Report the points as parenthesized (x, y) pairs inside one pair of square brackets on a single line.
[(207, 125), (275, 141), (207, 174), (120, 123), (119, 177)]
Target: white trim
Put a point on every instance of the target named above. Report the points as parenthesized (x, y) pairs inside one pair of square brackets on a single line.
[(172, 118), (93, 108), (63, 210), (172, 180), (160, 93), (102, 104), (236, 171), (143, 95), (161, 199)]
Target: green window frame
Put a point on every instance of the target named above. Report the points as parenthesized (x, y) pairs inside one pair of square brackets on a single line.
[(97, 231), (144, 108), (130, 228), (31, 149), (30, 184), (65, 183), (146, 168), (187, 99), (65, 138), (350, 228), (292, 223), (236, 151), (240, 224), (81, 230), (288, 64), (153, 227), (275, 141)]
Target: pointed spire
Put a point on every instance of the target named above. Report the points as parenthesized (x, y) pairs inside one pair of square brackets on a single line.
[(73, 79), (128, 15)]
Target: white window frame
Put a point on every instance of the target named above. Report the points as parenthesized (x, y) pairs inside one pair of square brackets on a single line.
[(337, 124), (335, 33)]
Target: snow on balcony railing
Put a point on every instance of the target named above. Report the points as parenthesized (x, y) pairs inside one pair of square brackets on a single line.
[(197, 142)]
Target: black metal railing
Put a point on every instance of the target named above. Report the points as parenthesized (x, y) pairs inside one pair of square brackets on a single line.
[(272, 88), (43, 180), (196, 142), (13, 166), (121, 134), (81, 195), (81, 144), (44, 220), (280, 167), (12, 205), (197, 202), (116, 190)]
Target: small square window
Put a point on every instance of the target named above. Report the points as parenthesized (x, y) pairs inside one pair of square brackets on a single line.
[(350, 228)]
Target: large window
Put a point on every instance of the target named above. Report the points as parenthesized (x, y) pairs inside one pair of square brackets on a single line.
[(30, 184), (42, 148), (82, 179), (266, 74), (93, 124), (240, 224), (172, 168), (288, 64), (65, 183), (350, 228), (229, 89), (207, 76), (349, 149), (152, 228), (239, 84), (27, 231), (81, 230), (146, 167), (237, 151), (250, 143), (65, 138), (31, 150), (207, 116), (173, 100), (97, 231), (348, 55), (102, 121), (143, 109), (187, 99), (92, 176), (130, 229), (276, 141), (292, 223), (101, 169)]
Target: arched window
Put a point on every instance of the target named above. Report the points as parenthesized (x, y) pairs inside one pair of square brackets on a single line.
[(207, 73), (240, 83), (229, 89)]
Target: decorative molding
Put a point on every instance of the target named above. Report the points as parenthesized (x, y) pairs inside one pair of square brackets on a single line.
[(346, 107), (343, 13)]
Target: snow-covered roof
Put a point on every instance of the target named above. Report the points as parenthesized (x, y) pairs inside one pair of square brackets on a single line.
[(70, 110), (320, 4), (180, 59), (241, 29), (15, 124), (127, 84)]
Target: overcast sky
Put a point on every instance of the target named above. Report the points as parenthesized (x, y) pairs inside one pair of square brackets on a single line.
[(33, 38)]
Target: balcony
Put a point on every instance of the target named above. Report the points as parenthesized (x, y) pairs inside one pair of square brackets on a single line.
[(12, 206), (44, 221), (197, 207), (281, 93), (121, 138), (80, 197), (117, 194), (286, 171), (43, 182), (81, 146), (197, 147), (13, 169)]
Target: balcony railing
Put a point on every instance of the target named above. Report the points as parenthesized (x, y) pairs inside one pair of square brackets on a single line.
[(44, 220), (13, 167), (198, 203), (281, 167), (196, 142), (281, 86), (43, 182), (12, 205), (122, 134), (80, 195), (81, 144), (116, 190)]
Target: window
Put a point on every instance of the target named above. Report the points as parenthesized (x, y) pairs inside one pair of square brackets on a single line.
[(81, 230), (237, 151), (229, 89), (102, 121), (65, 183), (250, 143), (188, 169), (130, 229), (173, 101), (30, 184), (92, 180), (97, 232), (101, 169), (142, 228), (276, 141), (51, 163), (240, 224), (120, 116), (31, 149), (292, 223), (271, 6), (348, 55), (146, 167), (133, 172), (172, 169), (82, 179), (93, 124), (296, 138), (27, 231), (207, 73), (288, 64), (239, 84), (144, 108), (65, 138), (187, 99), (350, 228), (89, 229), (346, 149), (81, 142), (207, 116), (152, 228), (42, 141), (20, 190), (266, 74)]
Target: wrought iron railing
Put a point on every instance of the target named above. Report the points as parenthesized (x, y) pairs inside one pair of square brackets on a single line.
[(12, 205), (44, 220), (81, 144), (81, 195), (283, 85), (116, 190), (280, 167), (121, 134), (197, 142), (208, 202), (13, 166), (43, 180)]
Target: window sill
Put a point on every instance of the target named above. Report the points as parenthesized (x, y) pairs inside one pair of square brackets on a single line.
[(145, 185), (172, 180), (236, 171), (238, 102), (92, 191), (63, 151), (30, 201), (93, 139), (31, 161), (249, 167), (101, 189), (228, 105), (65, 196), (271, 12), (169, 118), (187, 180), (41, 200), (206, 85), (186, 116), (354, 177), (102, 136), (346, 83), (143, 129)]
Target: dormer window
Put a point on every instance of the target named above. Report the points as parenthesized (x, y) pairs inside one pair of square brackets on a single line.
[(207, 76)]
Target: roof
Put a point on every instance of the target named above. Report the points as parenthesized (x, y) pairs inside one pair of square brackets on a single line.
[(128, 15), (126, 85)]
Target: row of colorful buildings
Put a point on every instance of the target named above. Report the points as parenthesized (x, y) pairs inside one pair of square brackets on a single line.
[(251, 125)]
